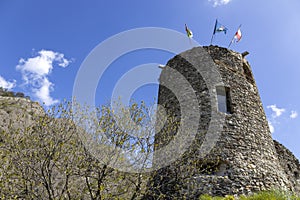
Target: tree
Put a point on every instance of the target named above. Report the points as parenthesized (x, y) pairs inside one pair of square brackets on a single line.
[(47, 157)]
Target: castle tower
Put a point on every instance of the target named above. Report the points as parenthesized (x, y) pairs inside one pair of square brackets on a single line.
[(232, 151)]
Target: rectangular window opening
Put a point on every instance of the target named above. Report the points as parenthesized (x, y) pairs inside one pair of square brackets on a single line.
[(224, 99)]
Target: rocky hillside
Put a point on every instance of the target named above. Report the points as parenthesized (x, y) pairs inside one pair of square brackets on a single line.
[(17, 111)]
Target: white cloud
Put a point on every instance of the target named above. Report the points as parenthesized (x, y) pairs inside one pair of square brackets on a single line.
[(219, 2), (43, 63), (272, 129), (293, 114), (7, 84), (35, 73), (43, 93), (277, 112)]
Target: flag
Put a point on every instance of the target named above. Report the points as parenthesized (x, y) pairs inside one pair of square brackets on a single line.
[(188, 32), (237, 36), (219, 28)]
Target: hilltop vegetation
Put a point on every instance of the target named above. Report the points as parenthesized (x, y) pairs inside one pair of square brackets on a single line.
[(6, 93), (264, 195)]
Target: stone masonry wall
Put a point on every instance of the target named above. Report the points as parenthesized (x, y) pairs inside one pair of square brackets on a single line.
[(290, 165), (244, 158)]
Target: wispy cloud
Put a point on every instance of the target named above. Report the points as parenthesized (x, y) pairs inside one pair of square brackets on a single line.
[(293, 114), (272, 129), (277, 112), (219, 2), (7, 84), (276, 117), (35, 72)]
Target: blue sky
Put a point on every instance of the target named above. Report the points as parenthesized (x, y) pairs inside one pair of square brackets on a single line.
[(43, 44)]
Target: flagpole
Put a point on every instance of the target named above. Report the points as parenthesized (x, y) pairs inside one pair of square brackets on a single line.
[(212, 37), (234, 36), (231, 41)]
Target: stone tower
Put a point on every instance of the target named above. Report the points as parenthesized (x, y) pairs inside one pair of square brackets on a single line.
[(232, 151)]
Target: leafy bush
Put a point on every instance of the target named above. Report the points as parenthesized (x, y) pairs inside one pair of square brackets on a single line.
[(47, 157), (208, 197), (270, 195), (263, 195), (6, 93)]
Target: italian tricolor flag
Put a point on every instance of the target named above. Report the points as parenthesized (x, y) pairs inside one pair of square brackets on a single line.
[(188, 32)]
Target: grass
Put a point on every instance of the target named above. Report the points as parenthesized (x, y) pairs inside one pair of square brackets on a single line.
[(264, 195)]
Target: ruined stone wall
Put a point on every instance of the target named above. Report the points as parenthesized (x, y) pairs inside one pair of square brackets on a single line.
[(244, 158), (290, 165)]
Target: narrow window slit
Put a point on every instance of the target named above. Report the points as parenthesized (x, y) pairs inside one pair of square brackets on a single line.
[(224, 99)]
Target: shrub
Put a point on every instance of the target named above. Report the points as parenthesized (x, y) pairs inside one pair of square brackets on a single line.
[(263, 195)]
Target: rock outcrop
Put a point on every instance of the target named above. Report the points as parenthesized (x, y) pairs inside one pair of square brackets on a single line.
[(17, 112)]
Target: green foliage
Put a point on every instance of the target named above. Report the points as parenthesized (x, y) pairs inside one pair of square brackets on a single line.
[(6, 93), (263, 195), (47, 159), (205, 197), (208, 197), (270, 195)]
